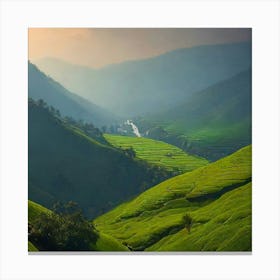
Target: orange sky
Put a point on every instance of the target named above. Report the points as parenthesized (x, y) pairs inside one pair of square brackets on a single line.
[(96, 47)]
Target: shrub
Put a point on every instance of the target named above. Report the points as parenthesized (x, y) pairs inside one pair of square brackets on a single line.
[(64, 229), (188, 221)]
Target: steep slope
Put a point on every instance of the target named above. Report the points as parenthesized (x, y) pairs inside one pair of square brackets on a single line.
[(35, 209), (103, 243), (146, 86), (224, 225), (65, 164), (217, 197), (31, 247), (159, 153), (106, 243), (215, 122), (42, 87)]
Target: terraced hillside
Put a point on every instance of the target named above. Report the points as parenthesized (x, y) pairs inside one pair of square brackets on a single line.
[(158, 152), (103, 243), (217, 198), (212, 123)]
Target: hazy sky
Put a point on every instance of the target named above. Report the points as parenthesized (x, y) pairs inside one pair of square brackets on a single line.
[(97, 47)]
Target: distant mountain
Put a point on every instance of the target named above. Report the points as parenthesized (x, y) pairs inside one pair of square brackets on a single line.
[(65, 164), (69, 104), (215, 122), (159, 83), (217, 199)]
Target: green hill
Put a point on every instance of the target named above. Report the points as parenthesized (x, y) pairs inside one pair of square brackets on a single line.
[(65, 164), (103, 243), (158, 153), (217, 197), (31, 247), (214, 122), (106, 243), (34, 209), (224, 225)]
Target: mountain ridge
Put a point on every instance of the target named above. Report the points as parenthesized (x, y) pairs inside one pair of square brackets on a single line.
[(137, 87), (212, 123), (69, 104)]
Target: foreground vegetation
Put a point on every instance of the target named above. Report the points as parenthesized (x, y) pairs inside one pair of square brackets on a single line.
[(158, 153), (217, 197), (65, 229), (208, 209)]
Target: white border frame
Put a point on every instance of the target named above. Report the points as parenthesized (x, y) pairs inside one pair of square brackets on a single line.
[(262, 16)]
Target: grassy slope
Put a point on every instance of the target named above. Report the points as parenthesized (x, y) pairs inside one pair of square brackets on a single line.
[(103, 243), (215, 121), (224, 225), (31, 247), (158, 152), (34, 209), (64, 164), (108, 244), (153, 217)]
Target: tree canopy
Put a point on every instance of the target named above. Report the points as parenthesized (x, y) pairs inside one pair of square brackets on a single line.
[(63, 229)]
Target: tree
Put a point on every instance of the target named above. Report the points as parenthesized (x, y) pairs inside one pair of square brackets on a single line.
[(104, 128), (130, 152), (52, 110), (42, 103), (63, 229), (188, 221), (70, 120), (57, 113), (112, 129)]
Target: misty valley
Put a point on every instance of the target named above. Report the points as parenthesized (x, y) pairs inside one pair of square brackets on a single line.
[(146, 155)]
